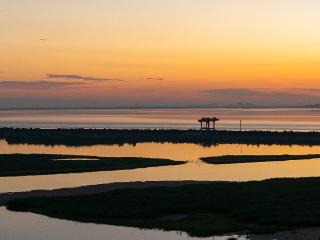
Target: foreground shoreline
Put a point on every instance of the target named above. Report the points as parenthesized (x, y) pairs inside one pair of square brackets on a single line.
[(93, 189), (200, 209), (89, 137)]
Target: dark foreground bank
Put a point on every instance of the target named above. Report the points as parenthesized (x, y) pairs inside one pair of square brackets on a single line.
[(42, 164), (233, 159), (79, 137), (198, 209)]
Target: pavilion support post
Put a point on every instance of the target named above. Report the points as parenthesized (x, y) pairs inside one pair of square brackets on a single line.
[(206, 123)]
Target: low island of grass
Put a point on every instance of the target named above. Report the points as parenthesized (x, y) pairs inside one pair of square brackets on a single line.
[(232, 159), (200, 209), (42, 164)]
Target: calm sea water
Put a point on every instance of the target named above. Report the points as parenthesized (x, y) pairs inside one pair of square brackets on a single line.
[(266, 119)]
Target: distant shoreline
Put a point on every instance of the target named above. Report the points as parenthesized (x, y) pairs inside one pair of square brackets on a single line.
[(314, 106), (89, 137)]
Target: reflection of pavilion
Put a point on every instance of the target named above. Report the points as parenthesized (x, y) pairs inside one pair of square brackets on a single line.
[(207, 121)]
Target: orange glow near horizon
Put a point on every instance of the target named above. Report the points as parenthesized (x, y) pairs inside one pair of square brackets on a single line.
[(190, 45)]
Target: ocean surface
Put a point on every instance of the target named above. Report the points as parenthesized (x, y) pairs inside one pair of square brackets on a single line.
[(301, 119)]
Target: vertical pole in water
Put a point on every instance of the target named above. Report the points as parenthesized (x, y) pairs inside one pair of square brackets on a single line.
[(240, 125)]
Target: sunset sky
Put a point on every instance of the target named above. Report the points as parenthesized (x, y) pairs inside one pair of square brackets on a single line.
[(151, 53)]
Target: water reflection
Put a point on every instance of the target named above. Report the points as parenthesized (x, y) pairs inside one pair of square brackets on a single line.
[(28, 226), (193, 170), (186, 152), (190, 171)]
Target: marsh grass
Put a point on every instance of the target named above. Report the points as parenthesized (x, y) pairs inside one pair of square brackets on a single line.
[(42, 164), (232, 159), (213, 208)]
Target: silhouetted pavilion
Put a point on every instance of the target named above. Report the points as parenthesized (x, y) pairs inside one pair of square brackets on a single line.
[(207, 121)]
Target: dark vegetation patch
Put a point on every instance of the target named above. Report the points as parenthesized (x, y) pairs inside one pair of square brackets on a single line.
[(82, 137), (231, 159), (42, 164), (208, 209)]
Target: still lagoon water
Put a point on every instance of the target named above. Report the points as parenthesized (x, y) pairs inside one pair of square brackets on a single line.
[(195, 169), (17, 226), (22, 226), (53, 229)]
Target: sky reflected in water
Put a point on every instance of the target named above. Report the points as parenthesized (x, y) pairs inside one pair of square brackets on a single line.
[(193, 170)]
